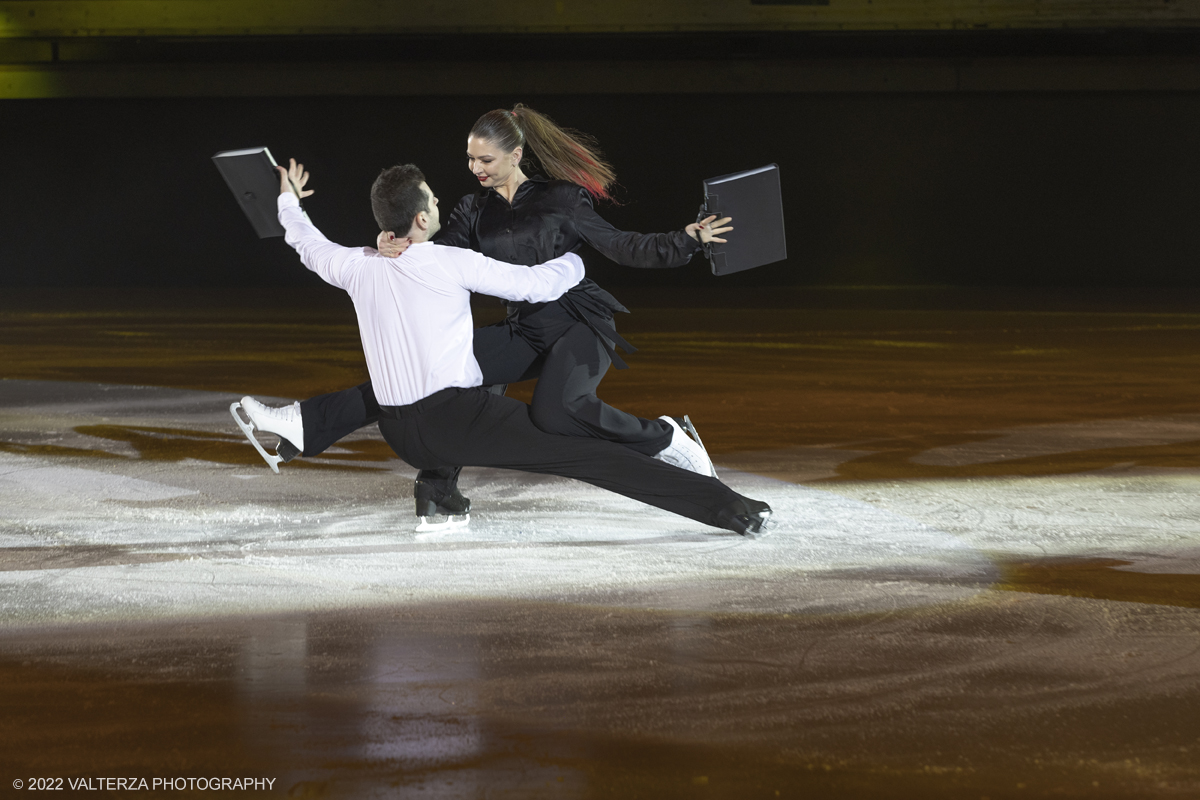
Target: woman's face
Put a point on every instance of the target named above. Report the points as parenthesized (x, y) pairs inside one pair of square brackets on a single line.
[(490, 165)]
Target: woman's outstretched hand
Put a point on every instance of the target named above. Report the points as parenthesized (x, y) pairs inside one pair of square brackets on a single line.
[(707, 229), (388, 245)]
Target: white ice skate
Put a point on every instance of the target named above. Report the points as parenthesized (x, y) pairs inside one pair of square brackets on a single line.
[(686, 450), (283, 422), (691, 429)]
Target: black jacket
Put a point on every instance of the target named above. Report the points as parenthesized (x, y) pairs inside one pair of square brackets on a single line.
[(547, 219)]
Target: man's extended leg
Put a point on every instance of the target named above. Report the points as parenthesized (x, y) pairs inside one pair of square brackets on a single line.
[(309, 427), (474, 428), (330, 417)]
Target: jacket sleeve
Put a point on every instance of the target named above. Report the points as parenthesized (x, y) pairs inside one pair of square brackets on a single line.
[(641, 250), (457, 230)]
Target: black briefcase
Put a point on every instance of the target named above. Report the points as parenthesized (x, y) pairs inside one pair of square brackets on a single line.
[(251, 176), (754, 200)]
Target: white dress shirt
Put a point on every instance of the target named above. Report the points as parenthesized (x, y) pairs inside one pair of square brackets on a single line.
[(414, 312)]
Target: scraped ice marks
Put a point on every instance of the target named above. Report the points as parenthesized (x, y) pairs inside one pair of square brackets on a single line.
[(1151, 443), (545, 539), (54, 450), (826, 530), (462, 535), (83, 484), (136, 442), (91, 543), (143, 443), (1103, 579), (1161, 441), (814, 529), (79, 556), (179, 444)]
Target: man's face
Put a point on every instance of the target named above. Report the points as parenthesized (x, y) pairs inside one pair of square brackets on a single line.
[(435, 222)]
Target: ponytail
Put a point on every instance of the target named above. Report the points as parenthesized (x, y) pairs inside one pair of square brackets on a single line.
[(565, 154)]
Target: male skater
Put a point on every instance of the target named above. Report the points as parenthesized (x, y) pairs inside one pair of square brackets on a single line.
[(414, 317)]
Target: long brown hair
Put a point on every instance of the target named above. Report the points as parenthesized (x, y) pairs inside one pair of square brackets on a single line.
[(565, 154)]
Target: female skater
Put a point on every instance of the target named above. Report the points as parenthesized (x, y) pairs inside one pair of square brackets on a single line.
[(567, 344)]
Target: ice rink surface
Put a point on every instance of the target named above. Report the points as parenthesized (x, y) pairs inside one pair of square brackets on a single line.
[(121, 503), (172, 607)]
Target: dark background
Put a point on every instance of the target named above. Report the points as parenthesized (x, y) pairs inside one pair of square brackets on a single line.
[(1012, 188)]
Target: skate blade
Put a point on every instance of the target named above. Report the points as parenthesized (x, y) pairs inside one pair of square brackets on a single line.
[(766, 528), (248, 428), (691, 431), (453, 522)]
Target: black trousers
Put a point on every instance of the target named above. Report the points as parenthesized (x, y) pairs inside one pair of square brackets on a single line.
[(566, 357), (473, 427)]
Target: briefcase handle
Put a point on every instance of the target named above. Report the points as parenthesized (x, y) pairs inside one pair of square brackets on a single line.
[(716, 260), (705, 247)]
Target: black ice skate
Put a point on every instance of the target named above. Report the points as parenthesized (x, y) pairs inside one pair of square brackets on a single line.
[(433, 501), (748, 518)]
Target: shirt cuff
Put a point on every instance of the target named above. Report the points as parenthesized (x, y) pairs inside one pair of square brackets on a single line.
[(288, 200)]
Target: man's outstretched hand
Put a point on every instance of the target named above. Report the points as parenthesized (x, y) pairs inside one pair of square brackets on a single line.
[(293, 179)]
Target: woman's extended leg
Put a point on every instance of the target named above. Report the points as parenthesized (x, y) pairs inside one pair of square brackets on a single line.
[(565, 400), (475, 428)]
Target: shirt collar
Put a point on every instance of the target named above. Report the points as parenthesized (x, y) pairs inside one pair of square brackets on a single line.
[(531, 179)]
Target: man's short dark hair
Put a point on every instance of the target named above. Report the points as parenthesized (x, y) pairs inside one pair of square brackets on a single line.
[(397, 198)]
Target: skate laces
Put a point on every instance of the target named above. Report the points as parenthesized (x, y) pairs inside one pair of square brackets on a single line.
[(286, 414)]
